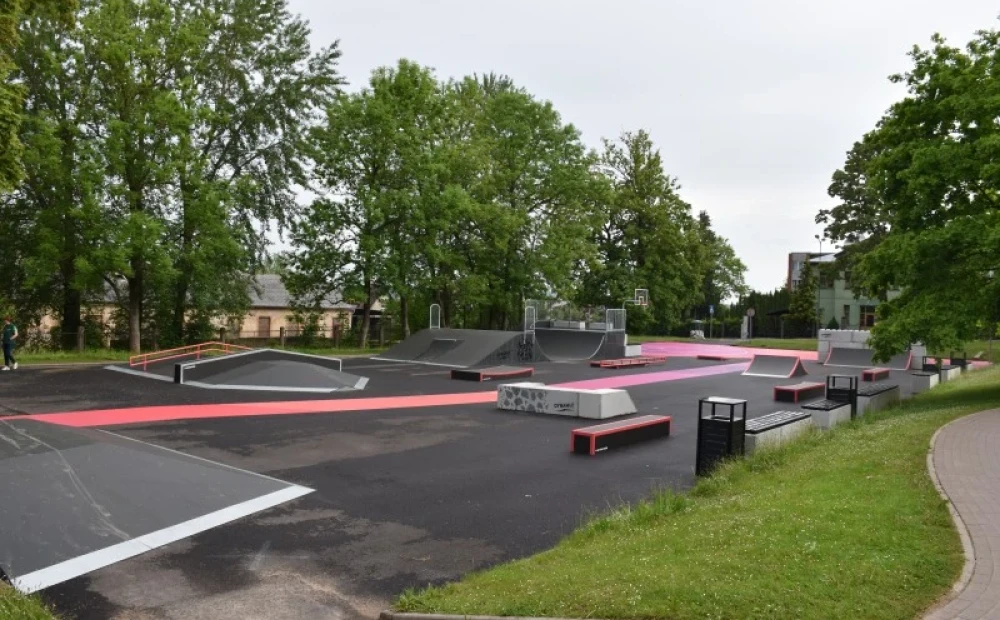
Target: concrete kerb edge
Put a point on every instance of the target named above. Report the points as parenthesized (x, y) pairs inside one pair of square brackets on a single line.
[(391, 615), (963, 531)]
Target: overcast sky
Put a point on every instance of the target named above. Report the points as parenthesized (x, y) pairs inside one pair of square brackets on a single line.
[(753, 104)]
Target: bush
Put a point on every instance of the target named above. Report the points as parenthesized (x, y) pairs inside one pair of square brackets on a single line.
[(833, 324)]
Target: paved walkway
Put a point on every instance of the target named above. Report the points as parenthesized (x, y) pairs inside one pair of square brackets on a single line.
[(966, 460)]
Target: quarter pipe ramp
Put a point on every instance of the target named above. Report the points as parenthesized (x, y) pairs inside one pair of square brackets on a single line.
[(775, 366), (460, 348), (862, 358)]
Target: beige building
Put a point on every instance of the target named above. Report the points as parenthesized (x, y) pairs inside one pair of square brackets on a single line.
[(270, 312)]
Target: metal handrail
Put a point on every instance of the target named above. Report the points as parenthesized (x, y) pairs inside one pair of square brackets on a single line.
[(193, 349)]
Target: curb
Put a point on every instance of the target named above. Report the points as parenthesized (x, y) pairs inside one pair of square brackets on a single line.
[(963, 531), (392, 615)]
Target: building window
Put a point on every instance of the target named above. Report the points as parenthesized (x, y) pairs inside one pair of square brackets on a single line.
[(867, 316), (845, 319)]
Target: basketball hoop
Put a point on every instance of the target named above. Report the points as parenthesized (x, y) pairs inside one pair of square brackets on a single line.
[(639, 298)]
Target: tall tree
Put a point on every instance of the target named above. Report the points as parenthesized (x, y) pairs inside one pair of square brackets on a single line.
[(802, 306), (649, 238), (927, 178), (11, 93), (725, 274)]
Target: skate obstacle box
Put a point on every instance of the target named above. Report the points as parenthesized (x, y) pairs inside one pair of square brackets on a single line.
[(644, 360), (924, 380), (799, 392), (572, 402), (874, 374), (775, 429), (720, 432), (491, 373), (840, 405), (950, 372), (877, 396), (602, 437)]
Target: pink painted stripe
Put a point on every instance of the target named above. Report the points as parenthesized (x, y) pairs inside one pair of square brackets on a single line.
[(694, 349), (622, 381), (138, 415), (142, 415)]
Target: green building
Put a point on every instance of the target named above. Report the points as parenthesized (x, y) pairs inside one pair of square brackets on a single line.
[(834, 299)]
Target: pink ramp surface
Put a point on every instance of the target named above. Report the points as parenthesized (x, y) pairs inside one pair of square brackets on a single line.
[(142, 415), (694, 349)]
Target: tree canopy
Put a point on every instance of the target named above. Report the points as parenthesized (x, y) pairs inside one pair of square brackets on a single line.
[(919, 198)]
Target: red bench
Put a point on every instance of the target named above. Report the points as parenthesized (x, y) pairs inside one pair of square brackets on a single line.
[(799, 392), (874, 374), (627, 362), (594, 439)]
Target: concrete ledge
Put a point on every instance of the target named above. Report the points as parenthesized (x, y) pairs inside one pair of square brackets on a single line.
[(832, 417), (391, 615), (923, 381), (575, 403), (633, 350), (878, 401), (950, 373), (775, 436)]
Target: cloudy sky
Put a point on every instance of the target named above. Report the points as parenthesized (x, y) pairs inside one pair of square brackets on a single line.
[(753, 104)]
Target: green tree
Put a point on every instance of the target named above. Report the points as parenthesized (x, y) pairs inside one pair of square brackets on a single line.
[(925, 189), (803, 301), (649, 238), (725, 276), (11, 93)]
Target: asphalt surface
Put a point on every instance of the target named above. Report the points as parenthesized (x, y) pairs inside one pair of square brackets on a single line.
[(403, 497)]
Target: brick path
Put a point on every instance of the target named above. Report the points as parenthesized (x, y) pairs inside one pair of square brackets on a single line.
[(966, 459)]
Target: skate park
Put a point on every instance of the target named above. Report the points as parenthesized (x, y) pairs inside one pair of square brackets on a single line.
[(300, 478)]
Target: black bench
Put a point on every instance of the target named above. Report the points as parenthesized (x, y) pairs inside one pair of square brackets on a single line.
[(960, 360), (594, 439), (799, 391), (874, 374), (928, 364), (876, 389), (772, 421)]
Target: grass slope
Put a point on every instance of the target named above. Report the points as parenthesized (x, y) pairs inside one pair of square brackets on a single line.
[(16, 606), (844, 524)]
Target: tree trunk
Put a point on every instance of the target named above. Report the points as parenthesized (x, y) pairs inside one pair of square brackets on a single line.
[(404, 309), (367, 318), (72, 307), (135, 307)]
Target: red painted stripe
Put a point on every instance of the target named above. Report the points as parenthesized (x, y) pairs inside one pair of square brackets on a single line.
[(139, 415)]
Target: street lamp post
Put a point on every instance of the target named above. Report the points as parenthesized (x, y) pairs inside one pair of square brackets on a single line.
[(819, 283)]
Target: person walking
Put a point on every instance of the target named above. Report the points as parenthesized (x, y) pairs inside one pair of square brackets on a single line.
[(9, 337)]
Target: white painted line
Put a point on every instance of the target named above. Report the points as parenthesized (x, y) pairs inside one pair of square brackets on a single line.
[(139, 373), (264, 388), (362, 382), (389, 359), (81, 565)]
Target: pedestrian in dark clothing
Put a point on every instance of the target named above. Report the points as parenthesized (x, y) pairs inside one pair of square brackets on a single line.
[(8, 336)]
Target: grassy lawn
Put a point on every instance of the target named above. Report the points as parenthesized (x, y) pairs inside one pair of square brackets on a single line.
[(16, 606), (844, 524)]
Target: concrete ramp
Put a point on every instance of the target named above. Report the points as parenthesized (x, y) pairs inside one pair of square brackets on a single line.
[(77, 500), (460, 348), (269, 370), (775, 367), (569, 345), (862, 358)]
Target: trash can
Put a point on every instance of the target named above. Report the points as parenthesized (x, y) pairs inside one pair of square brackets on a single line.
[(721, 424)]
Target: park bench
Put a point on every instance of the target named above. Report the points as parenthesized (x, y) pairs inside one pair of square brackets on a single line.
[(775, 429), (924, 380), (878, 396), (602, 437)]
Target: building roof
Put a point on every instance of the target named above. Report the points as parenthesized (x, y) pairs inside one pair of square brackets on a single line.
[(268, 291)]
